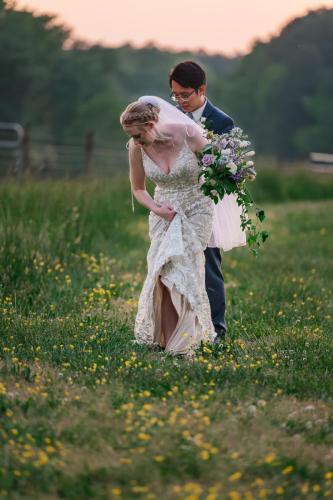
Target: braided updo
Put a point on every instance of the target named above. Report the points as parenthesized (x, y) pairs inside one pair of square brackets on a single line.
[(139, 113)]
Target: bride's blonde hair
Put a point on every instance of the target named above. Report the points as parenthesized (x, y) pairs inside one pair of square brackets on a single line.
[(140, 113)]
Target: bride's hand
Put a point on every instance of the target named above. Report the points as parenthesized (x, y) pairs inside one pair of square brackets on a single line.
[(166, 212)]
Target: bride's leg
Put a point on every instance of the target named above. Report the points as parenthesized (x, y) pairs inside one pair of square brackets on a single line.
[(169, 316)]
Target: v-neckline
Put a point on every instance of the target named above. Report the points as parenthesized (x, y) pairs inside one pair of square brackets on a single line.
[(173, 165)]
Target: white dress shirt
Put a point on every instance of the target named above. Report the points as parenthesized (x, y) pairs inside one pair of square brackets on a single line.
[(197, 113)]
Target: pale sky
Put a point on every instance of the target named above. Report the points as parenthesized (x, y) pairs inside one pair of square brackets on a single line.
[(221, 26)]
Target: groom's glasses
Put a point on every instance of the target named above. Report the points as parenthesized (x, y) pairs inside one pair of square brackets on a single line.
[(181, 97)]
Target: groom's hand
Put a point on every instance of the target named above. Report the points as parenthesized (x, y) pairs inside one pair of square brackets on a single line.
[(166, 212)]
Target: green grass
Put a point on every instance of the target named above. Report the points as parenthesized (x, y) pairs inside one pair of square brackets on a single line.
[(86, 413)]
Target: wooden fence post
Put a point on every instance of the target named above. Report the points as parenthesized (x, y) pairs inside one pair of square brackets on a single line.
[(26, 145), (89, 147)]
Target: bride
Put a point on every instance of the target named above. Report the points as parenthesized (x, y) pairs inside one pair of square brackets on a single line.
[(173, 310)]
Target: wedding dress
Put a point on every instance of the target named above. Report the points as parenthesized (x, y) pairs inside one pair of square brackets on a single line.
[(176, 257), (176, 253)]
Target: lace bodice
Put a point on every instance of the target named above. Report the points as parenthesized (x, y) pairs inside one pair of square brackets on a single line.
[(180, 188), (184, 171)]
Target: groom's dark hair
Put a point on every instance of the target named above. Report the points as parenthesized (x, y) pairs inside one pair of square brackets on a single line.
[(188, 74)]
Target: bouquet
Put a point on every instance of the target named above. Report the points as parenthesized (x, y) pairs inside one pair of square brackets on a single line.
[(226, 165)]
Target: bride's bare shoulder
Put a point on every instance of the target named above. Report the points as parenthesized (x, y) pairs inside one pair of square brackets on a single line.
[(131, 145), (178, 133), (177, 128), (191, 133), (134, 149)]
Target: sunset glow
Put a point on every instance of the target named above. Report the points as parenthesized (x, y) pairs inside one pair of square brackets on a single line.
[(214, 25)]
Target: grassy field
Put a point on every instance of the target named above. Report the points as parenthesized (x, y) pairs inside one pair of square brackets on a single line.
[(86, 413)]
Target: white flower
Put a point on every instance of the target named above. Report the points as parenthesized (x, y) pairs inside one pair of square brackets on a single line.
[(249, 163), (252, 409), (244, 144), (203, 119), (251, 174), (212, 182), (250, 153), (232, 167), (261, 403), (214, 192), (236, 131)]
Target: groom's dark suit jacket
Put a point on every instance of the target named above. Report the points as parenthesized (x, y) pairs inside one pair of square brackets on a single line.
[(216, 120)]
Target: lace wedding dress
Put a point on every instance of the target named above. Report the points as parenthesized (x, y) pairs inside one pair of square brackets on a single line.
[(176, 257)]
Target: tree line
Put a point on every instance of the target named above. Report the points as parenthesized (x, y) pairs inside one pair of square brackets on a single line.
[(281, 93)]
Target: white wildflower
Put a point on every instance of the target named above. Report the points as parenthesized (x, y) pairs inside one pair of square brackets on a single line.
[(252, 409), (236, 131), (232, 167)]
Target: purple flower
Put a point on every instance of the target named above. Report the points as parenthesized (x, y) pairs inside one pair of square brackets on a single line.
[(223, 143), (207, 160), (238, 177)]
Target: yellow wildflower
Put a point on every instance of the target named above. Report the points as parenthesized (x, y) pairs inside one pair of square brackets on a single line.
[(234, 477), (287, 470), (116, 492), (143, 436), (270, 458), (234, 495), (204, 455), (140, 489)]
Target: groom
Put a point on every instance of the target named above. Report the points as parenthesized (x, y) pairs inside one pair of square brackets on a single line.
[(188, 84)]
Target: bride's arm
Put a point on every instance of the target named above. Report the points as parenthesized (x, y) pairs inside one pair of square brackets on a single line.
[(197, 141), (138, 185), (138, 178)]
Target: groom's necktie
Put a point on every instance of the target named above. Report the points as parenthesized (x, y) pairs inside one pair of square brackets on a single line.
[(190, 115)]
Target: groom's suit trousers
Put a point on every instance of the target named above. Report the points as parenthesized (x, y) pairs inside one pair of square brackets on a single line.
[(215, 289)]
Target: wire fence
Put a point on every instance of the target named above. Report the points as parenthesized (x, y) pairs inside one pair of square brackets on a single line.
[(43, 158), (24, 156)]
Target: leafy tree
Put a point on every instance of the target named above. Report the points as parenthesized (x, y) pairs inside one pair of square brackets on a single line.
[(278, 90), (29, 48)]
